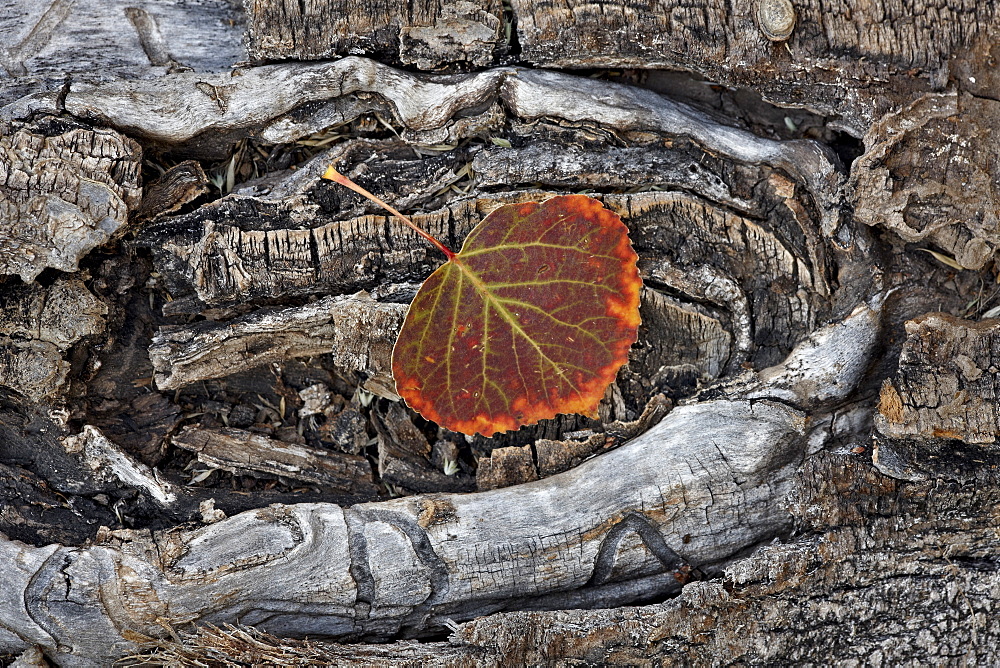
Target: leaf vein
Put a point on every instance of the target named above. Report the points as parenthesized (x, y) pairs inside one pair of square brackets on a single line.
[(451, 340), (516, 326), (549, 315), (537, 244), (546, 283)]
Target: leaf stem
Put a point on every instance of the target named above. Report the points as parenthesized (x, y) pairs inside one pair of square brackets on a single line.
[(332, 174)]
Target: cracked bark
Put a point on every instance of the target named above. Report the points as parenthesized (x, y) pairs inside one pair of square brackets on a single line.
[(854, 60), (781, 462)]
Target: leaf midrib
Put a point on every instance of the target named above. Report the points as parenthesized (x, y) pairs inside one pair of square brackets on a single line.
[(504, 313)]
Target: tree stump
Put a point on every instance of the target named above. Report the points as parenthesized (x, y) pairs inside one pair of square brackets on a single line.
[(202, 453)]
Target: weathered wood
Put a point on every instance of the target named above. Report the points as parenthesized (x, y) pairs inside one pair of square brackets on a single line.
[(670, 165), (48, 494), (60, 486), (513, 465), (761, 295), (505, 467), (44, 41), (430, 35), (529, 96), (222, 263), (658, 527), (945, 387), (179, 185), (747, 259), (776, 265), (33, 368), (927, 175), (109, 463), (406, 461), (176, 109), (224, 267), (827, 365), (786, 603), (240, 451), (37, 327), (853, 60), (77, 186), (764, 295), (359, 332), (60, 314), (34, 513), (408, 563)]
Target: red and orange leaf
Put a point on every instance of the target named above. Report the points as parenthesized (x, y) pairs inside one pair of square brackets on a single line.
[(532, 318)]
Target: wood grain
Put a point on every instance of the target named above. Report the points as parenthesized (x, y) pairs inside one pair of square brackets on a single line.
[(409, 563)]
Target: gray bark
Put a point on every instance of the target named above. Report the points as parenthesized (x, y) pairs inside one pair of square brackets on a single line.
[(780, 459), (854, 60)]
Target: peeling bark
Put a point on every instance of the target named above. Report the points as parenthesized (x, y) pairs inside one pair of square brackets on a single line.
[(179, 185), (945, 385), (358, 330), (727, 475), (426, 34), (37, 327), (853, 60), (928, 177), (43, 181)]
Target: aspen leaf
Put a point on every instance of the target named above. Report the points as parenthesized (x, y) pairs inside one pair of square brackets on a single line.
[(532, 318)]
